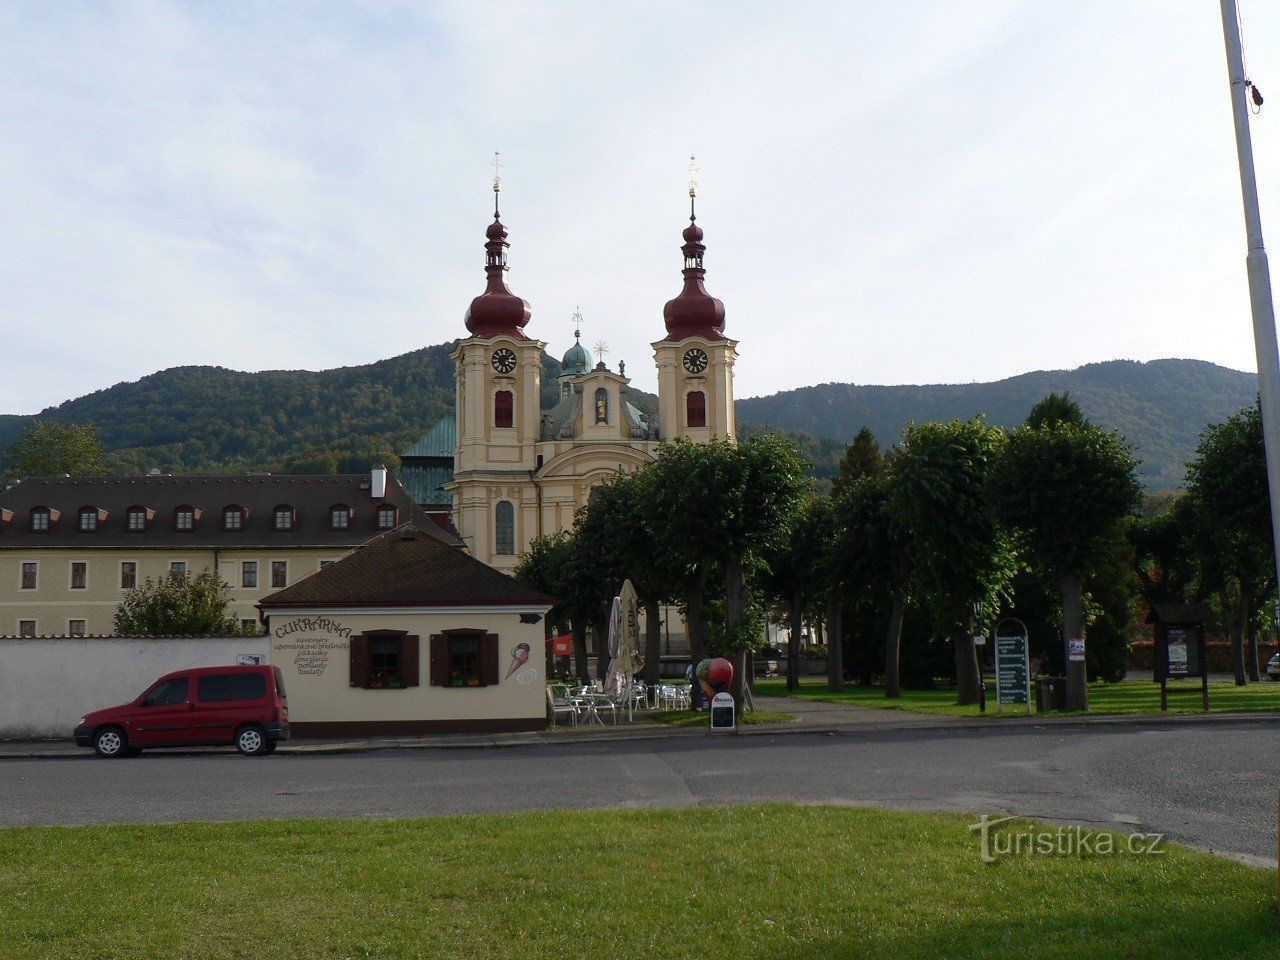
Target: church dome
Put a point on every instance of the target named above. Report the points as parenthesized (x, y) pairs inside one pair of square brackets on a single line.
[(576, 361), (695, 312)]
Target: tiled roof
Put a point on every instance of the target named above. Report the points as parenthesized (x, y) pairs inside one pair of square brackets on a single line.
[(310, 496), (406, 568), (440, 441)]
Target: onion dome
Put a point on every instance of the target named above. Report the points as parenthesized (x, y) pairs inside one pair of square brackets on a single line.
[(497, 311), (576, 361), (694, 313)]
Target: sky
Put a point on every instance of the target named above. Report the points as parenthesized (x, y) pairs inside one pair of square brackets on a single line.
[(892, 192)]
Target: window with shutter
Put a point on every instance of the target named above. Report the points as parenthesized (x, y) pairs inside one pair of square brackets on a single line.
[(409, 660), (360, 661), (488, 659)]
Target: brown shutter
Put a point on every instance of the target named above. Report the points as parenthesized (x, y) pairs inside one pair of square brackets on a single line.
[(409, 660), (360, 661), (439, 660), (488, 659)]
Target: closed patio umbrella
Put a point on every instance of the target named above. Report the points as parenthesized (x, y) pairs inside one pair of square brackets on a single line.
[(624, 639)]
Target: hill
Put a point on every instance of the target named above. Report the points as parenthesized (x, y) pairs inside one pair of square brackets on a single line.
[(202, 419), (1160, 406)]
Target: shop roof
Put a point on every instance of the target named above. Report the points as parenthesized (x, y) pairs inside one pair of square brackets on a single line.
[(406, 568)]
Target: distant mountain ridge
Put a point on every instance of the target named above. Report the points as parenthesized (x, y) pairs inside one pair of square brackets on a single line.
[(206, 419), (1160, 406)]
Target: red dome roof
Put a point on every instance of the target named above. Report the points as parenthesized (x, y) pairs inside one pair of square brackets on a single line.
[(694, 313), (497, 311)]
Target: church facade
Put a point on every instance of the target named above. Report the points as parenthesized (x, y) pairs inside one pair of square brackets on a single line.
[(521, 470)]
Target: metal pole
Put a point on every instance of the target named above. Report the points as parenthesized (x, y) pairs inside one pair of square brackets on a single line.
[(1264, 321)]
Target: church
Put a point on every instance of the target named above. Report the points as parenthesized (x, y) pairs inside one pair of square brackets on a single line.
[(520, 469)]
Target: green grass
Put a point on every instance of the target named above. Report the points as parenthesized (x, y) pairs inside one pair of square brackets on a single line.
[(752, 883), (687, 718), (1126, 697)]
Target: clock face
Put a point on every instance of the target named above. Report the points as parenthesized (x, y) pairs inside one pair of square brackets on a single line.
[(695, 361), (504, 360)]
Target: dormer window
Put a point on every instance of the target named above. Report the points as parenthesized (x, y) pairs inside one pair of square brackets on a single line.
[(184, 518), (339, 517), (387, 515), (138, 517), (284, 517), (40, 520), (88, 519), (233, 518)]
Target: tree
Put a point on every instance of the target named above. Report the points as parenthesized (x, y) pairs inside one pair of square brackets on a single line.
[(959, 552), (1231, 525), (48, 449), (717, 506), (1065, 487), (177, 606)]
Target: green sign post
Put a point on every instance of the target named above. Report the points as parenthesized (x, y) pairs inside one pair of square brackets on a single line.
[(1013, 668)]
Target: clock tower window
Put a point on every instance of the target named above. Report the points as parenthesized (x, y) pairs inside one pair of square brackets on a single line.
[(695, 408), (503, 409)]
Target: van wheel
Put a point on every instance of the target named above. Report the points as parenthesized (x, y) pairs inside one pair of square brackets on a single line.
[(252, 741), (110, 742)]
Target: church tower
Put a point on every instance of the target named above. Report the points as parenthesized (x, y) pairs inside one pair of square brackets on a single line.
[(695, 359), (498, 382)]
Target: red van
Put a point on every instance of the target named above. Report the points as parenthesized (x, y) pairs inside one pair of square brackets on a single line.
[(209, 705)]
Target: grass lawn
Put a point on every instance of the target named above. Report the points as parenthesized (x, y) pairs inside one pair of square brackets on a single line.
[(751, 883), (1128, 696)]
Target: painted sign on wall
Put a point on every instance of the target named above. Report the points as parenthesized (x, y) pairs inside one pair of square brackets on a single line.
[(310, 642)]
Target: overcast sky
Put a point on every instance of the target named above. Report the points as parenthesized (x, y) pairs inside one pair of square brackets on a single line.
[(893, 191)]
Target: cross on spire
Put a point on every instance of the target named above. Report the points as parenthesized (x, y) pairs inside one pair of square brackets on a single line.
[(497, 181), (577, 323), (693, 186)]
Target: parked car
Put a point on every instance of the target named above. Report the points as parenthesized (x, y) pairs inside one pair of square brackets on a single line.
[(245, 706), (1273, 667)]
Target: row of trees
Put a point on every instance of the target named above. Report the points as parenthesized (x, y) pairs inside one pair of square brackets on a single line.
[(933, 536)]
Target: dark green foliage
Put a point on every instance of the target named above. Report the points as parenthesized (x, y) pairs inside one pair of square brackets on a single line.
[(176, 606), (48, 449), (1158, 406)]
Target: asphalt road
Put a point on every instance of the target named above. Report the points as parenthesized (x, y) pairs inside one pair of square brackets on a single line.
[(1212, 786)]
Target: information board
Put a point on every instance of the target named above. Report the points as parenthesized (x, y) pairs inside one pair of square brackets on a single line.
[(1013, 671), (722, 712)]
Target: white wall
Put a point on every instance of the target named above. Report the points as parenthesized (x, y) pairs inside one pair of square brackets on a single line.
[(47, 684)]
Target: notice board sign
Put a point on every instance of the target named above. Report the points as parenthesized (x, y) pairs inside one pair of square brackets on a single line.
[(722, 712), (1013, 666), (1180, 652)]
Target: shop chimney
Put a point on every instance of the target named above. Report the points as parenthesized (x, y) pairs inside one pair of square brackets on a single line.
[(379, 481)]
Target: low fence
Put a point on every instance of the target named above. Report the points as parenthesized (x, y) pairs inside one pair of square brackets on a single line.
[(48, 683)]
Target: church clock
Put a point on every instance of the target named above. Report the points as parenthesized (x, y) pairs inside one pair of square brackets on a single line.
[(504, 360), (695, 360)]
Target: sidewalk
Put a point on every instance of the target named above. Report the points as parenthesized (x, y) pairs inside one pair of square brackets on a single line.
[(812, 718)]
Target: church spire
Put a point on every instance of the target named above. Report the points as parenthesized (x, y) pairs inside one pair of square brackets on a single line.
[(694, 312), (497, 311)]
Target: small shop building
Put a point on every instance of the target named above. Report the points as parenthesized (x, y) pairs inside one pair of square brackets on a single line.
[(409, 635)]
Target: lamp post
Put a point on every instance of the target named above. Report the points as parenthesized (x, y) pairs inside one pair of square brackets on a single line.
[(1264, 321)]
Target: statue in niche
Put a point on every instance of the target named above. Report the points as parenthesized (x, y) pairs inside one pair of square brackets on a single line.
[(602, 405)]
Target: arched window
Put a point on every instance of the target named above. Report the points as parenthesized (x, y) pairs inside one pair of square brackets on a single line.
[(504, 527), (40, 520), (602, 405), (503, 409), (138, 518), (184, 518), (88, 519), (695, 408)]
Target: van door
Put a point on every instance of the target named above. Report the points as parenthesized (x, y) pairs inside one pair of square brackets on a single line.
[(163, 716), (215, 716)]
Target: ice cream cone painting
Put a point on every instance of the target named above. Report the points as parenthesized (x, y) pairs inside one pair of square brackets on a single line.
[(519, 656)]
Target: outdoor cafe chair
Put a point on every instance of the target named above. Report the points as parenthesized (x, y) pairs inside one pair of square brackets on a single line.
[(559, 705)]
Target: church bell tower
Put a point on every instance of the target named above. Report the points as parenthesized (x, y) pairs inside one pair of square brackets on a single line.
[(695, 359)]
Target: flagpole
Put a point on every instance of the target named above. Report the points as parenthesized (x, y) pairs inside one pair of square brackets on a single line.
[(1264, 321)]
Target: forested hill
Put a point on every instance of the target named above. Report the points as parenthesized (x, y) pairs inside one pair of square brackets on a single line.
[(1161, 406), (202, 419)]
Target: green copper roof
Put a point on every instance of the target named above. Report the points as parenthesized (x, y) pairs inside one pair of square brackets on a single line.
[(440, 441), (576, 361), (424, 484)]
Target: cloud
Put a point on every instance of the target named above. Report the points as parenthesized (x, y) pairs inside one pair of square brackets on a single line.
[(900, 192)]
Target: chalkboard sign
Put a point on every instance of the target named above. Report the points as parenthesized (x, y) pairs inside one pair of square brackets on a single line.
[(1013, 670), (722, 713)]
